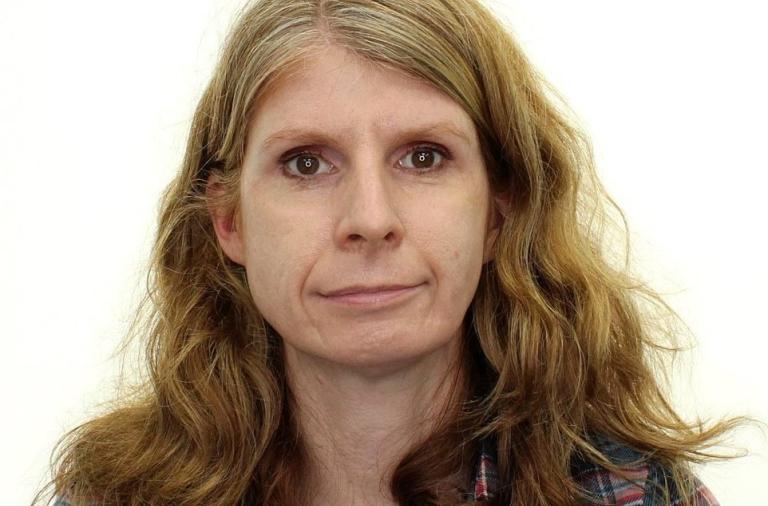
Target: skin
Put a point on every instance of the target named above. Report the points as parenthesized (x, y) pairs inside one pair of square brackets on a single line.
[(368, 379)]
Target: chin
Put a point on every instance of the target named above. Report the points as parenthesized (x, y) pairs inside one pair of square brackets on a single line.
[(381, 356)]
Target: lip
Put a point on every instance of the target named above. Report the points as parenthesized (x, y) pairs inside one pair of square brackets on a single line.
[(371, 295)]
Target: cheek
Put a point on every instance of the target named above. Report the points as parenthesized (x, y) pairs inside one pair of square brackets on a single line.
[(281, 246), (452, 233)]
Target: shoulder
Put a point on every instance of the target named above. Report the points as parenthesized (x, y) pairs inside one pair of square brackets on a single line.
[(644, 484)]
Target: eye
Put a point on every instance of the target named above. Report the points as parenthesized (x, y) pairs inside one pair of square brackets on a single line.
[(307, 164), (423, 158)]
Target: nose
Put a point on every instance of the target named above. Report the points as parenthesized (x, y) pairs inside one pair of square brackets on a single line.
[(369, 214)]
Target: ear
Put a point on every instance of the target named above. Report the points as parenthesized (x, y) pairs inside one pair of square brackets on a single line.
[(499, 212), (225, 224)]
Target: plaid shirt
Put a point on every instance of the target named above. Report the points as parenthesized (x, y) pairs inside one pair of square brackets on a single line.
[(605, 487)]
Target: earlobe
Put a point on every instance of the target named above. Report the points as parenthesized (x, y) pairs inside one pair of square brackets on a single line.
[(490, 245), (225, 224), (499, 215)]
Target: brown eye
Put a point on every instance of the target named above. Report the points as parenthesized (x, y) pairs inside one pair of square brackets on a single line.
[(306, 164), (425, 158)]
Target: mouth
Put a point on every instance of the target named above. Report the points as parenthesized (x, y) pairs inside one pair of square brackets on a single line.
[(371, 296), (355, 289)]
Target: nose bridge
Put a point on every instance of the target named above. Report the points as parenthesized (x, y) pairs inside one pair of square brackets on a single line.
[(369, 211)]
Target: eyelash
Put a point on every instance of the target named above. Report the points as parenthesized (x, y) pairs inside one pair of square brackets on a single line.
[(444, 154)]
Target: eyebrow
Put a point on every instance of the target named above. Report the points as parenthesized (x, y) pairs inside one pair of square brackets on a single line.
[(322, 137)]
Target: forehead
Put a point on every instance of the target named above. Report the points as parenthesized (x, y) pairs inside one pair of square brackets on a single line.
[(336, 90)]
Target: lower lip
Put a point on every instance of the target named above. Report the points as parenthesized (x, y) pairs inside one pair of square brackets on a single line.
[(374, 299)]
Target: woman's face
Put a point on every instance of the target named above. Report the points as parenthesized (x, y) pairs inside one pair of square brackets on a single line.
[(358, 178)]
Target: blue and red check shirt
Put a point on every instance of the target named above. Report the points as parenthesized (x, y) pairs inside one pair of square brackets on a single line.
[(606, 488)]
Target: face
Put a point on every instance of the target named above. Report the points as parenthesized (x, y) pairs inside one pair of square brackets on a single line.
[(364, 213)]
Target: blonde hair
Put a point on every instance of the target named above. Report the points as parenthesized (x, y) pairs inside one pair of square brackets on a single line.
[(560, 343)]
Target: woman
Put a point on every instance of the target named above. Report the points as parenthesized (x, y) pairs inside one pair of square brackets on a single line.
[(378, 280)]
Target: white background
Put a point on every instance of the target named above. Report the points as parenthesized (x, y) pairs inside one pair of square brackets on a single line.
[(96, 98)]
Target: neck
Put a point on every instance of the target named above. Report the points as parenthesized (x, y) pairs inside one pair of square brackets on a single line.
[(357, 426)]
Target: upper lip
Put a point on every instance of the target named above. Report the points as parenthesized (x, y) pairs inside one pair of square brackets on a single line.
[(365, 289)]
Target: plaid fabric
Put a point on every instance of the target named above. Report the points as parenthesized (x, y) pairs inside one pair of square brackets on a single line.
[(485, 479), (645, 485)]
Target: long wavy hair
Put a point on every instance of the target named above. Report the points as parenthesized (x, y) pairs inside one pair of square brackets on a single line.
[(561, 340)]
